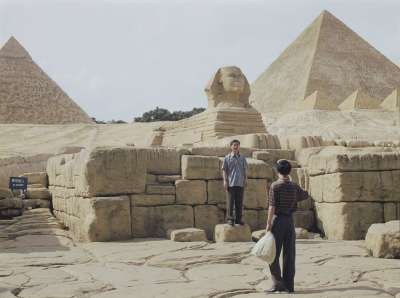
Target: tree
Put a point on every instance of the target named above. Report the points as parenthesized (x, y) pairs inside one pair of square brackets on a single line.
[(160, 114)]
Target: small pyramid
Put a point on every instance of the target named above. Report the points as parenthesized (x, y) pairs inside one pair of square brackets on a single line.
[(317, 102), (29, 95), (359, 100), (329, 57), (392, 102)]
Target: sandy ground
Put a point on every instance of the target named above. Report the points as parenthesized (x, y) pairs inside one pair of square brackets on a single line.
[(38, 259)]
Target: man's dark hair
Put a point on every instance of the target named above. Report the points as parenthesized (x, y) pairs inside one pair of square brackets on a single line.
[(283, 167), (235, 141)]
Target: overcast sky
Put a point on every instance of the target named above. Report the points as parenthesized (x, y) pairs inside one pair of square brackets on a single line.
[(118, 59)]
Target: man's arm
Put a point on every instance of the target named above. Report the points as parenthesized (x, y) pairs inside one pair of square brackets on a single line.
[(245, 172), (271, 209), (301, 194)]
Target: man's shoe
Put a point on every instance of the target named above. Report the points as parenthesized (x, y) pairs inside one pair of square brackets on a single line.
[(275, 289)]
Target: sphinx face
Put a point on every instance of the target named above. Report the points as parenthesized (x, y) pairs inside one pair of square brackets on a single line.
[(232, 79)]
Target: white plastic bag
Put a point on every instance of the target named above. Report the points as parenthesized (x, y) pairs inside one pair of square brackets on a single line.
[(265, 248)]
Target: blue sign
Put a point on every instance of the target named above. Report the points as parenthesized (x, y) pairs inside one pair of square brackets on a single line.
[(18, 183)]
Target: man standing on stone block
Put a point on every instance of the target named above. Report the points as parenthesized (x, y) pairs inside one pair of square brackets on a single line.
[(234, 172), (283, 197)]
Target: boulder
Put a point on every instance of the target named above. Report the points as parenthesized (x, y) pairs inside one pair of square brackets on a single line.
[(37, 178), (152, 200), (201, 167), (38, 193), (228, 233), (347, 220), (383, 240), (270, 156), (191, 192), (156, 221), (187, 235), (11, 203), (206, 217)]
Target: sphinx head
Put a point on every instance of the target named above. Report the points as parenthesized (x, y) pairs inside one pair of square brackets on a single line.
[(228, 88)]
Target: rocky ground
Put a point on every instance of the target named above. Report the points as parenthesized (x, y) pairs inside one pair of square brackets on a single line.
[(38, 259)]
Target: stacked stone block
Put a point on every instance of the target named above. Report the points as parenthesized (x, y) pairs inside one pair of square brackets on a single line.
[(354, 190), (37, 194), (118, 193)]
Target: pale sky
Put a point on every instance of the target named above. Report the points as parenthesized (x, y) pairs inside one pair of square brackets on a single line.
[(120, 58)]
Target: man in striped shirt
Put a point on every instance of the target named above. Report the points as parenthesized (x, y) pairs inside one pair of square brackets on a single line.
[(283, 197)]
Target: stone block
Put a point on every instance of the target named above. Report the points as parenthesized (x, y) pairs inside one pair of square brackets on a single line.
[(11, 203), (168, 178), (110, 171), (271, 156), (255, 194), (191, 192), (259, 169), (38, 193), (164, 161), (156, 221), (301, 233), (201, 167), (262, 218), (160, 189), (151, 179), (36, 203), (390, 212), (37, 178), (105, 218), (383, 240), (216, 193), (152, 200), (187, 235), (5, 193), (228, 233), (304, 219), (250, 217), (206, 217), (347, 220), (350, 186), (257, 235), (9, 213)]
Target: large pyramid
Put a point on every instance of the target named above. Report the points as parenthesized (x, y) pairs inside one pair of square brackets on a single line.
[(327, 57), (28, 95)]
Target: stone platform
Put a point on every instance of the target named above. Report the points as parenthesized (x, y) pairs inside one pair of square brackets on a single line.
[(44, 262)]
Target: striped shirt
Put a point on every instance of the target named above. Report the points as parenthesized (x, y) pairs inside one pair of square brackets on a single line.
[(284, 195), (235, 166)]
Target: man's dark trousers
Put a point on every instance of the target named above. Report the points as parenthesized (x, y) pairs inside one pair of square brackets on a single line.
[(235, 201), (285, 236)]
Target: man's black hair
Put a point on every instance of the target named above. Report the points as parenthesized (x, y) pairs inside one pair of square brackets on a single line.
[(234, 141), (283, 167)]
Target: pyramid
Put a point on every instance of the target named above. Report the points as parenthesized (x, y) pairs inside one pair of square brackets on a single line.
[(316, 102), (392, 102), (359, 100), (328, 57), (28, 95)]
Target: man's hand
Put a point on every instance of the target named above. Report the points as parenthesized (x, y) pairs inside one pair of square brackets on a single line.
[(226, 186), (245, 182)]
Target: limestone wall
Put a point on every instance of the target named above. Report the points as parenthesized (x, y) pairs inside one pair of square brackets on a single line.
[(353, 189), (119, 193)]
